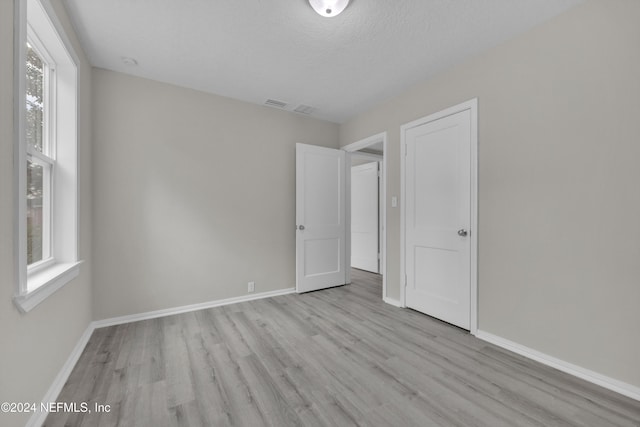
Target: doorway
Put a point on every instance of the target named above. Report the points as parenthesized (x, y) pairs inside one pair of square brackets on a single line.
[(372, 151)]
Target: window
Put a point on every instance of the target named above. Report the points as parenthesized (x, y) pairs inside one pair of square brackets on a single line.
[(46, 152), (40, 156)]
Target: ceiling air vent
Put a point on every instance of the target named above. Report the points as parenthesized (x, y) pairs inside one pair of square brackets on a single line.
[(304, 109), (274, 103)]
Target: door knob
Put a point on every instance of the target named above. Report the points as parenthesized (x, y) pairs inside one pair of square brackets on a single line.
[(462, 232), (301, 227)]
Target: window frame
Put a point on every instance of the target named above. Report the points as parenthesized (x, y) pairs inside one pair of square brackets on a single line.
[(35, 22)]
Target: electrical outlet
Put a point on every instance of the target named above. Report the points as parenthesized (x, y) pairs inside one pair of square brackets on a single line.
[(251, 287)]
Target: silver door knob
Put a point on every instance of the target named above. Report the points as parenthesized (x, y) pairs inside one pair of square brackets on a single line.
[(301, 227), (462, 232)]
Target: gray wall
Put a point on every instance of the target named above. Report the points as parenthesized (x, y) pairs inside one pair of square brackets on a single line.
[(36, 345), (559, 203), (194, 194)]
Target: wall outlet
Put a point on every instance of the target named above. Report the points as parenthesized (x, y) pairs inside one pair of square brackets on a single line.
[(251, 287)]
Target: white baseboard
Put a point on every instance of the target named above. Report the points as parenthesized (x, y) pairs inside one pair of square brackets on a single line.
[(187, 308), (392, 301), (38, 418), (561, 365)]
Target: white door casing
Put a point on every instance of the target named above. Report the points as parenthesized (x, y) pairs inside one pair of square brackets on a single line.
[(364, 217), (439, 219), (320, 218)]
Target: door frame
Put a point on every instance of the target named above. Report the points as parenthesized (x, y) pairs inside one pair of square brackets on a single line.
[(352, 148), (471, 105)]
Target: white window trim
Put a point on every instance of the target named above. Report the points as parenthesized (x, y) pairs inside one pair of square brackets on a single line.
[(46, 282), (42, 279)]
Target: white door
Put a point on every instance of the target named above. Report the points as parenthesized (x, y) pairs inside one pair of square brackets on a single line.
[(364, 217), (438, 218), (320, 218)]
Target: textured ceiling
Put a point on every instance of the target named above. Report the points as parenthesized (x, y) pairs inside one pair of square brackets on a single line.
[(254, 50)]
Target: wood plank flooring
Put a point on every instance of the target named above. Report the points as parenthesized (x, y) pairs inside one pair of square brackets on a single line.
[(337, 357)]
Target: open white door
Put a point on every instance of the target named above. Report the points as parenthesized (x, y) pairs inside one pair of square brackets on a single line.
[(365, 209), (320, 218)]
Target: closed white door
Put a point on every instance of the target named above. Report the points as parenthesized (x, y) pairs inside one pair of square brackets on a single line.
[(320, 218), (364, 217), (438, 218)]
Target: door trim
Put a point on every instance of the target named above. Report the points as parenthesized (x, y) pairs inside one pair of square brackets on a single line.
[(350, 148), (471, 105)]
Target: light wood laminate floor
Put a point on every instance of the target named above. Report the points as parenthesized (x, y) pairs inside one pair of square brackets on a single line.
[(337, 357)]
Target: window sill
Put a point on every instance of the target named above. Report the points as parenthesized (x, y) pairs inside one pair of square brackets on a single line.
[(44, 283)]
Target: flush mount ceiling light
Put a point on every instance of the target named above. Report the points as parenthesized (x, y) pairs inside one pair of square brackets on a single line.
[(328, 8)]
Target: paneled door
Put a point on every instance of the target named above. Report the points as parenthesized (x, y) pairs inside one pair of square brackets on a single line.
[(437, 217), (320, 218), (365, 210)]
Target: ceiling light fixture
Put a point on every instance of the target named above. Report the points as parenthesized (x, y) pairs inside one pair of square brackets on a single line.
[(328, 8)]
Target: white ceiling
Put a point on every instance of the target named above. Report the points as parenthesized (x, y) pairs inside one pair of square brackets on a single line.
[(254, 50)]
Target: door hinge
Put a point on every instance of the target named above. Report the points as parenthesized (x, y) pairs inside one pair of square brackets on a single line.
[(405, 280), (405, 149)]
